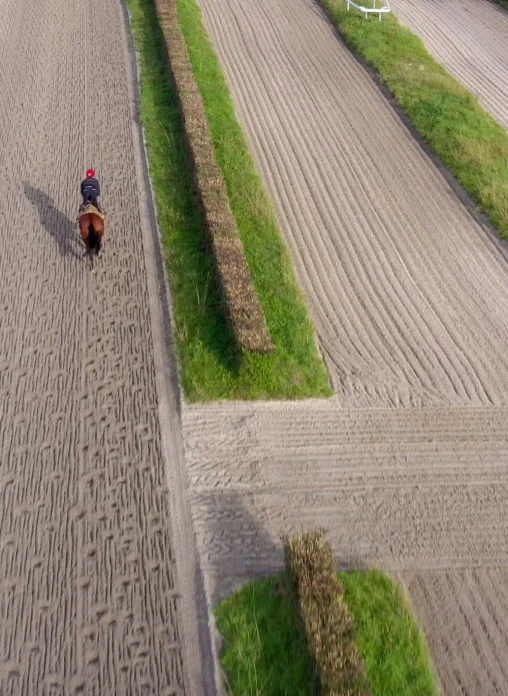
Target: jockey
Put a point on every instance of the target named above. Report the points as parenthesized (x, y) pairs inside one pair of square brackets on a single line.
[(90, 190)]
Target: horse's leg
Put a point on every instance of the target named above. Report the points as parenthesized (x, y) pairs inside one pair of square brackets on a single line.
[(99, 228)]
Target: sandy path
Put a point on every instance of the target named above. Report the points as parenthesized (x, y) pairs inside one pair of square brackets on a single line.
[(408, 292), (421, 493), (470, 38), (468, 607), (407, 489), (95, 596)]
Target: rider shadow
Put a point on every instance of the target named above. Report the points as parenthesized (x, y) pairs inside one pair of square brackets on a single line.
[(56, 223)]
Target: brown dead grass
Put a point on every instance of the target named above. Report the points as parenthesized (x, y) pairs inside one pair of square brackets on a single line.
[(324, 615), (241, 302)]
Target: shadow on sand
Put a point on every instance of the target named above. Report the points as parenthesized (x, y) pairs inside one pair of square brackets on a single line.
[(57, 224)]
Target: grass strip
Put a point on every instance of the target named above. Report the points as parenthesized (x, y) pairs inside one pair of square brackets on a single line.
[(241, 303), (209, 369), (265, 654), (394, 650), (465, 137)]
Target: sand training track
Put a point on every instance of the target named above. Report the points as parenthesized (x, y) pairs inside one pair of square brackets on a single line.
[(408, 291), (96, 574), (406, 467)]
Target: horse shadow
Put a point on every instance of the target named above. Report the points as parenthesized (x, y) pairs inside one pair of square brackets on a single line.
[(56, 223)]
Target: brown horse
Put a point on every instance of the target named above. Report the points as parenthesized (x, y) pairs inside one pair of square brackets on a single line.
[(91, 227)]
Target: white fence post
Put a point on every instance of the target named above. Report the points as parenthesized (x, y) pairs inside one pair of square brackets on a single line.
[(368, 10)]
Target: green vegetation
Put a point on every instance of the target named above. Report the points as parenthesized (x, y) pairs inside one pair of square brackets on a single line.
[(209, 368), (243, 310), (265, 654), (472, 145), (393, 649)]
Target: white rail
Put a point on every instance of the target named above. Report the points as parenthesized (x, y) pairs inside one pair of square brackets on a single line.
[(369, 10)]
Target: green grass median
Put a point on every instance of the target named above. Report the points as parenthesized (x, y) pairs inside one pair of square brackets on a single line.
[(209, 365), (465, 137), (265, 653)]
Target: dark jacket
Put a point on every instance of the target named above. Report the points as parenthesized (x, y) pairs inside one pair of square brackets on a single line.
[(91, 182)]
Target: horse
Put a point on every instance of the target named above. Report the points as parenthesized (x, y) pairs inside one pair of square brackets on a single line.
[(91, 227)]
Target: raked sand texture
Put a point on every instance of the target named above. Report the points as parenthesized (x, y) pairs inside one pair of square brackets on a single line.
[(93, 599), (408, 290), (420, 493), (468, 37), (406, 488)]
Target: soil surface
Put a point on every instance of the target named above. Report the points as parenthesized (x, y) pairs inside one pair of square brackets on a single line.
[(407, 285), (405, 467), (96, 561)]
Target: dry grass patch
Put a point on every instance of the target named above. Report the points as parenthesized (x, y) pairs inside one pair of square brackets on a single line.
[(241, 302), (325, 617)]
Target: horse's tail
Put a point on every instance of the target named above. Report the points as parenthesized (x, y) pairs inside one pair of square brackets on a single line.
[(94, 240)]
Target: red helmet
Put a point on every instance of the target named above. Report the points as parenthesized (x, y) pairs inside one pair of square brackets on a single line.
[(90, 173)]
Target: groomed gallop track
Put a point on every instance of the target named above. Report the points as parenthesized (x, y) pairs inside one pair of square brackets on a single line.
[(406, 467), (96, 575), (409, 293)]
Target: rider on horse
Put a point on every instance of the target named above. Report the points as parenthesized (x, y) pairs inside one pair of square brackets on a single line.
[(90, 190)]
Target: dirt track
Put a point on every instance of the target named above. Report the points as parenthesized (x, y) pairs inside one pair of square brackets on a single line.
[(470, 38), (380, 240), (96, 571), (408, 290)]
